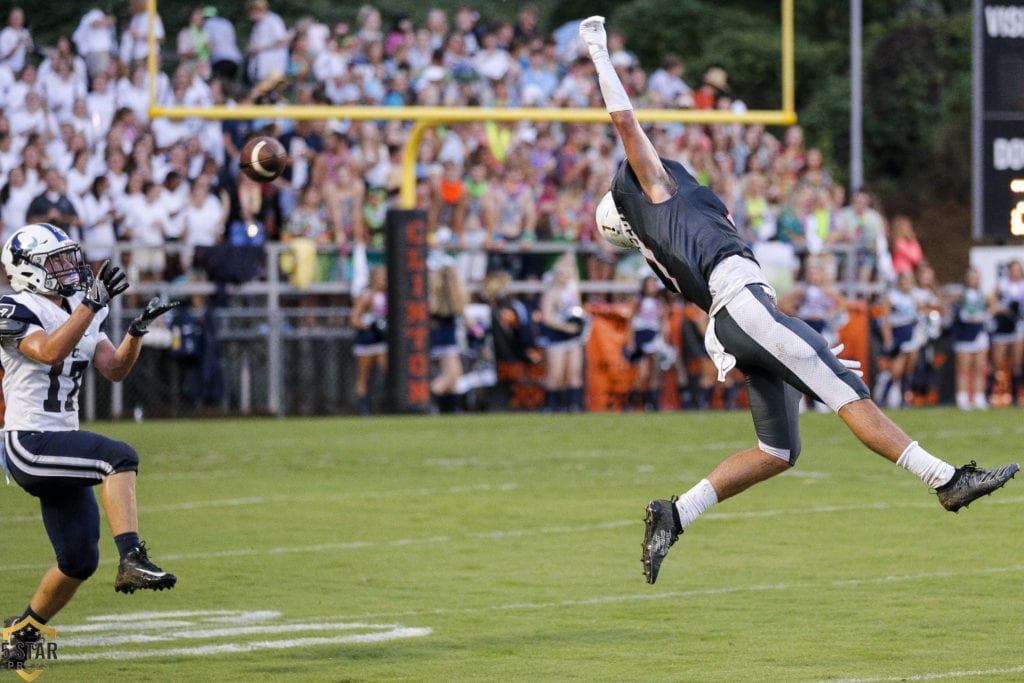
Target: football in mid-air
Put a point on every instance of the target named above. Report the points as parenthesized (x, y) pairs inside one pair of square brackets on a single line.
[(263, 159)]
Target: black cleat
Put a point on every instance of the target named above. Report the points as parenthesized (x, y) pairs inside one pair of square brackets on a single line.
[(971, 482), (15, 655), (662, 530), (136, 572)]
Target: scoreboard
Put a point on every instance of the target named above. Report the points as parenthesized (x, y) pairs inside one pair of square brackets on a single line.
[(998, 120)]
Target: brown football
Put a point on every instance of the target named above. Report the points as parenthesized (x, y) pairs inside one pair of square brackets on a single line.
[(263, 159)]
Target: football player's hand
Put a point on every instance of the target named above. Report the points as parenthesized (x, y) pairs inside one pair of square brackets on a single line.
[(108, 283), (153, 310), (593, 34), (852, 364)]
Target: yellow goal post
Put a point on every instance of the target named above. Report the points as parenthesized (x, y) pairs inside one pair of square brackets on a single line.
[(424, 117)]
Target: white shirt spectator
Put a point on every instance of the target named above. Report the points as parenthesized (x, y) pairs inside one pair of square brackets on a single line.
[(223, 41), (135, 39), (16, 207), (146, 221), (7, 79), (268, 46), (98, 232), (60, 88), (78, 183), (96, 39), (33, 118), (19, 90), (15, 41), (174, 202), (203, 225), (101, 103)]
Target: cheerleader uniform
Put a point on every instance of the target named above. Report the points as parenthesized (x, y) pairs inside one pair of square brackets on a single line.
[(903, 320), (371, 339), (972, 318), (1008, 325)]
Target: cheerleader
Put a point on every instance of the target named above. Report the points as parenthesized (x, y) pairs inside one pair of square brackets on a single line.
[(972, 314), (1008, 336), (900, 344), (648, 319), (369, 318), (564, 325), (447, 300)]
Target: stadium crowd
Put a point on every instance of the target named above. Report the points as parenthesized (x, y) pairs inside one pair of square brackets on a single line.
[(79, 150)]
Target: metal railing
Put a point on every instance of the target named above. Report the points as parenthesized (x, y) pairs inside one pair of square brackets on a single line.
[(260, 322)]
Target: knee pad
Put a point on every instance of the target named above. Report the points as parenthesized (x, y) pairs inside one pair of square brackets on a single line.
[(81, 562)]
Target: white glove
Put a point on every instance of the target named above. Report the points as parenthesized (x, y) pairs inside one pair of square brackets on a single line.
[(852, 364), (593, 35)]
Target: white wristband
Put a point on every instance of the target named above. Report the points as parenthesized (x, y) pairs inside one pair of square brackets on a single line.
[(615, 97)]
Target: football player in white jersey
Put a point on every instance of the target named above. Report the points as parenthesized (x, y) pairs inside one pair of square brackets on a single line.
[(50, 330)]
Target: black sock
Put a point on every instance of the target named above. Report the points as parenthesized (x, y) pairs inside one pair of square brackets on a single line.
[(126, 542)]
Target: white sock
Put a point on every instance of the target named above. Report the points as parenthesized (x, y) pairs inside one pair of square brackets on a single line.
[(930, 469), (694, 502)]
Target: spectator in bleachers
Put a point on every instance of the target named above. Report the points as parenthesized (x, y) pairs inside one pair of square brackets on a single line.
[(861, 225), (972, 313), (437, 26), (116, 162), (513, 223), (101, 103), (60, 87), (80, 176), (54, 206), (16, 42), (225, 57), (714, 84), (32, 163), (17, 92), (474, 226), (267, 49), (193, 43), (95, 39), (135, 38), (814, 173), (145, 223), (666, 85), (15, 196), (203, 222), (346, 199), (907, 253), (98, 235)]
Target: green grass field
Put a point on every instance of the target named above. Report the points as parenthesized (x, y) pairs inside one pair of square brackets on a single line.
[(507, 548)]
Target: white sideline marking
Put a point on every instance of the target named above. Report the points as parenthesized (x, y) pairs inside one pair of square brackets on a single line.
[(514, 533), (935, 676)]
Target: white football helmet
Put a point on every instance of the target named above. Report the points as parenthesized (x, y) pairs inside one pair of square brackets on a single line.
[(42, 258), (610, 223)]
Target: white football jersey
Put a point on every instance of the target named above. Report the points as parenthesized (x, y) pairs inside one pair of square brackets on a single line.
[(40, 397)]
